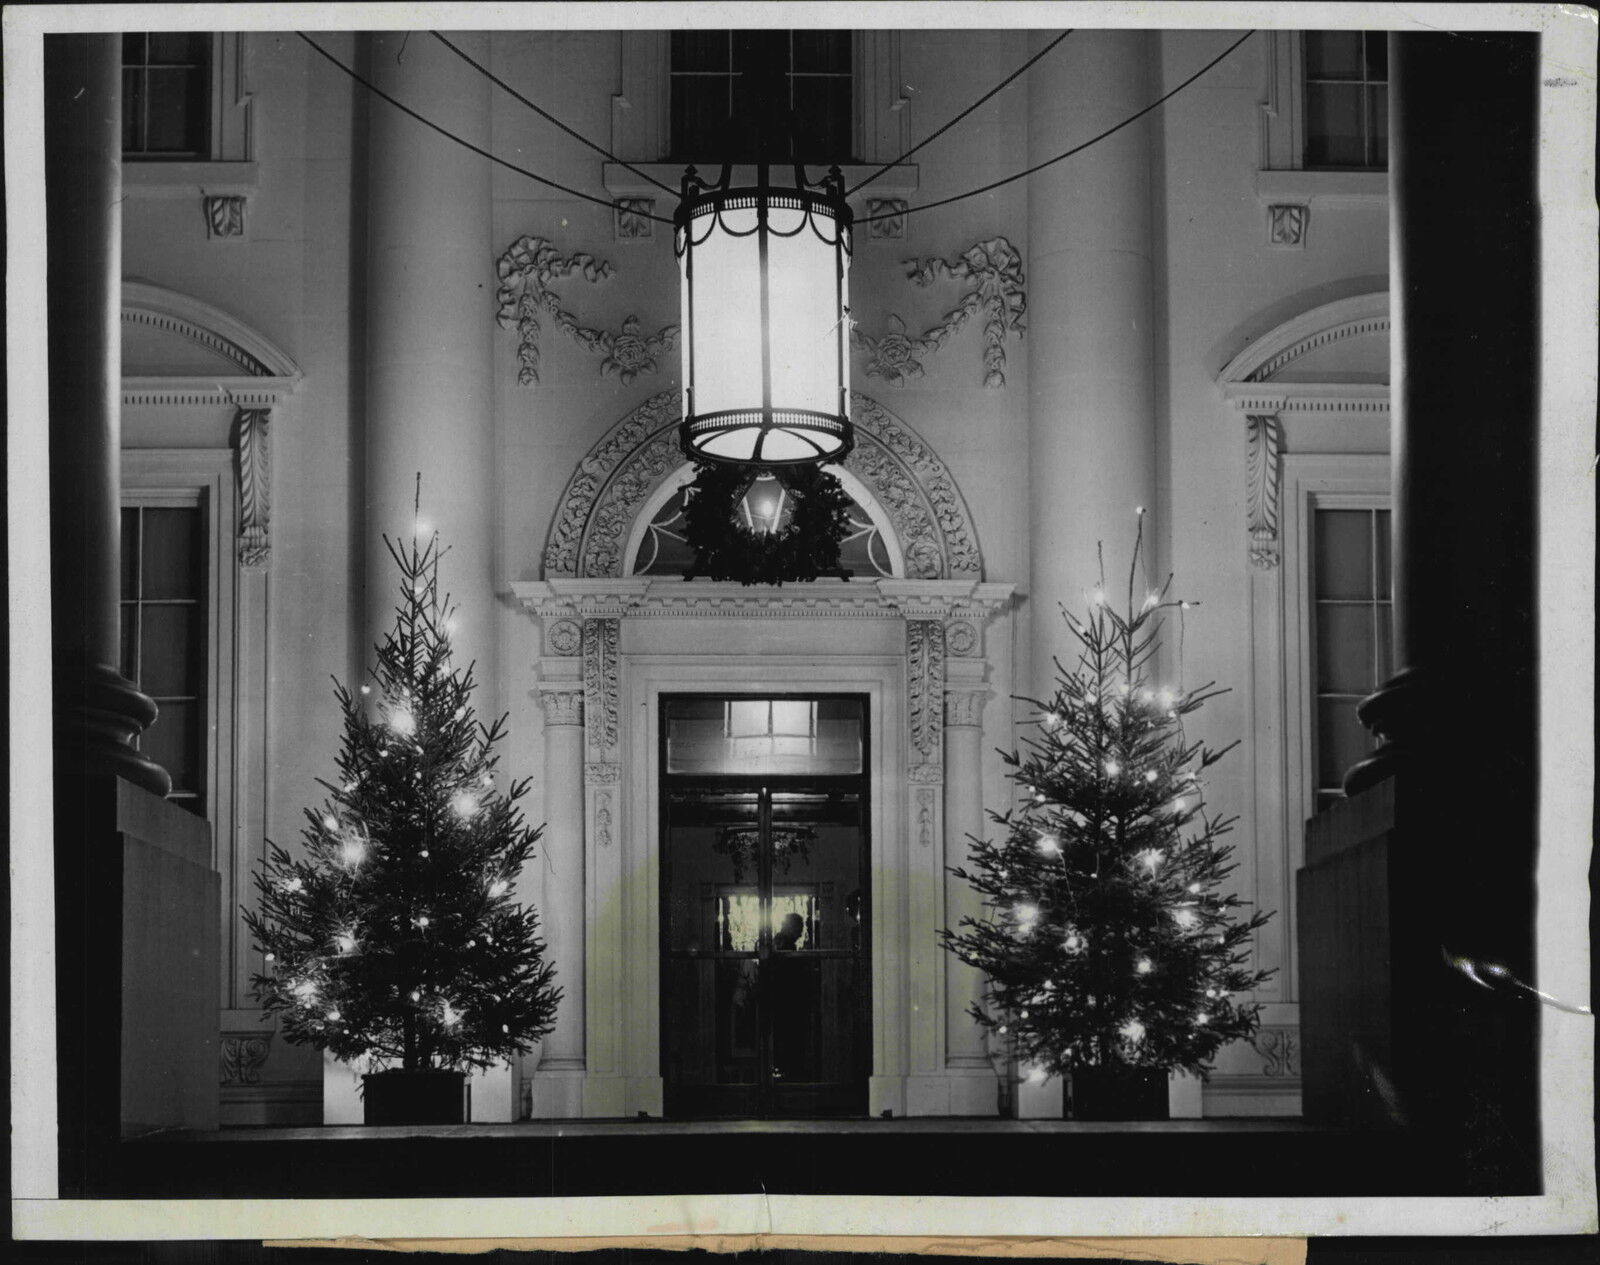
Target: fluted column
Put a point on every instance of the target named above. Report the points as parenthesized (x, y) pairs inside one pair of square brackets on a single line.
[(430, 315), (963, 822), (98, 712), (1091, 369), (561, 906)]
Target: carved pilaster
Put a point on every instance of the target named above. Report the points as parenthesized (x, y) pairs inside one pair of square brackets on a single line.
[(598, 773), (1264, 465), (964, 707), (563, 705), (925, 690), (255, 485), (600, 640)]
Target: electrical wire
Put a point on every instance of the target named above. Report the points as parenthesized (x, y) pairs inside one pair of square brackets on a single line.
[(548, 117), (1022, 69), (1076, 149), (462, 141)]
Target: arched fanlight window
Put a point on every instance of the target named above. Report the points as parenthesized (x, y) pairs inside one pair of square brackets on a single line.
[(766, 354)]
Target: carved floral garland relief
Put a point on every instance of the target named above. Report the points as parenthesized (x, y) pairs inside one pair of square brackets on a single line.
[(992, 270), (611, 484), (526, 270)]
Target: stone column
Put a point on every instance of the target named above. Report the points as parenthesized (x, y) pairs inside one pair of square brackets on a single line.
[(558, 1083), (1091, 370), (430, 293), (964, 698), (98, 712)]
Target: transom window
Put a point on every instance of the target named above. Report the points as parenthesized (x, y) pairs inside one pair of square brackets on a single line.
[(727, 85), (166, 95), (164, 637), (1347, 100), (1352, 635)]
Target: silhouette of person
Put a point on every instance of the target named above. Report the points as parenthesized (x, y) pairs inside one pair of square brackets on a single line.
[(787, 936), (791, 1001)]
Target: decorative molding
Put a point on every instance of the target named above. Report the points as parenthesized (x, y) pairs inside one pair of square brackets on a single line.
[(241, 1056), (255, 485), (563, 705), (925, 689), (600, 641), (1270, 353), (615, 480), (564, 637), (961, 637), (925, 774), (224, 214), (601, 773), (634, 222), (992, 270), (925, 817), (1264, 491), (1279, 1048), (602, 819), (526, 270), (210, 327), (891, 228), (1287, 224), (964, 707), (658, 596)]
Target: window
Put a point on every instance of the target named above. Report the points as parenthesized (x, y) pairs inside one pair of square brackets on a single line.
[(166, 96), (725, 85), (1346, 100), (166, 635), (1352, 632)]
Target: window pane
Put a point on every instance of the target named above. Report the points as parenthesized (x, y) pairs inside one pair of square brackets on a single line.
[(1377, 54), (133, 46), (172, 654), (171, 553), (1344, 649), (1384, 587), (822, 119), (699, 116), (1385, 621), (764, 736), (1344, 554), (822, 51), (1334, 135), (132, 110), (699, 50), (1333, 54), (173, 742), (176, 115), (130, 645), (130, 553), (179, 48), (1378, 124), (1341, 740)]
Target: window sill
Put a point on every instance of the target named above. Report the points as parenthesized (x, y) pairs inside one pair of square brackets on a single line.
[(1308, 188), (182, 179)]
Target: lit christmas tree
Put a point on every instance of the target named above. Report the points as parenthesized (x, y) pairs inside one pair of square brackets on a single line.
[(397, 938), (1108, 944)]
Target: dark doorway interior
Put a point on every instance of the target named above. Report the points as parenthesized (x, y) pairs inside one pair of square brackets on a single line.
[(765, 987)]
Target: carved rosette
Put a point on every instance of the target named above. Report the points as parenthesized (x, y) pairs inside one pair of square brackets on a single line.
[(1264, 492), (925, 690), (562, 705), (961, 637), (601, 638), (255, 485), (241, 1056), (563, 637), (613, 482)]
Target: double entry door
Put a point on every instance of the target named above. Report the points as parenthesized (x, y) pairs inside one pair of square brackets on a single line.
[(765, 989)]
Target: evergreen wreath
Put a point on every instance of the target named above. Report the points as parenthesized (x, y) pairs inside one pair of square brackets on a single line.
[(727, 549)]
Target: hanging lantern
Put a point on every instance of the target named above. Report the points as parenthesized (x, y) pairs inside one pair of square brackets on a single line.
[(766, 353)]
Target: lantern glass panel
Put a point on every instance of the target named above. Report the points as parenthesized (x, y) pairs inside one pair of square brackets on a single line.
[(727, 314), (804, 309)]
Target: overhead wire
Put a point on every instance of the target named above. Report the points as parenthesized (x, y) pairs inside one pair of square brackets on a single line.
[(1020, 70), (466, 144), (547, 116), (1049, 162)]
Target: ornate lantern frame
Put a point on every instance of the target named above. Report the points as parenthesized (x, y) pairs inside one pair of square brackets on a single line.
[(771, 431)]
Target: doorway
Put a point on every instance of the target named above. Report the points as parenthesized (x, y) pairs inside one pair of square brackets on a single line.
[(765, 988)]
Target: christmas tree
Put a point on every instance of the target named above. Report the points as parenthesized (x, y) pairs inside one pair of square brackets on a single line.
[(1108, 943), (397, 937)]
